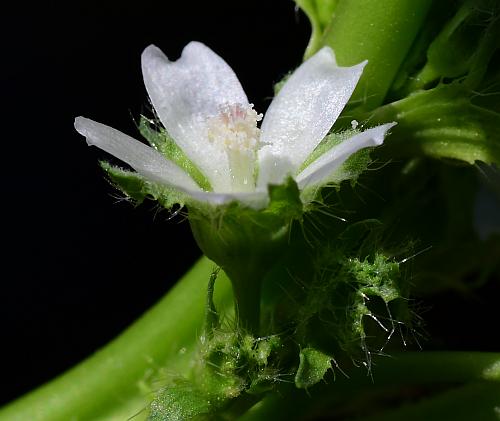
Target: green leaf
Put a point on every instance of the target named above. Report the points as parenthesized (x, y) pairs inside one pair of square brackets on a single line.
[(441, 122), (312, 367), (464, 47)]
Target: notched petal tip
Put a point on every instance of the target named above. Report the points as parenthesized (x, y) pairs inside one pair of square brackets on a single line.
[(151, 58), (194, 46), (152, 51), (326, 53), (185, 94)]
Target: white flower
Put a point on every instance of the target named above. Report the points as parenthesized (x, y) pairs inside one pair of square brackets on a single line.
[(203, 107)]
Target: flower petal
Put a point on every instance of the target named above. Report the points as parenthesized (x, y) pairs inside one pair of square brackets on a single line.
[(184, 94), (306, 107), (272, 168), (327, 163), (145, 160)]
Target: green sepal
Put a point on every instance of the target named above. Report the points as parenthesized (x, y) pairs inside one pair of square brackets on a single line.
[(350, 169), (313, 366), (235, 235), (330, 140), (284, 202), (159, 139), (138, 188), (246, 242)]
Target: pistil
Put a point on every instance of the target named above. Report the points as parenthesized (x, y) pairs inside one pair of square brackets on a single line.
[(235, 130)]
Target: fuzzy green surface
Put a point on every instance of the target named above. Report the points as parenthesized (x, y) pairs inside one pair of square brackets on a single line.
[(312, 367)]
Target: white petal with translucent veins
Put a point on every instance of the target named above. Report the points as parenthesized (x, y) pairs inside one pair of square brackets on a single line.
[(327, 163), (145, 160), (272, 168), (185, 94), (305, 109), (204, 109)]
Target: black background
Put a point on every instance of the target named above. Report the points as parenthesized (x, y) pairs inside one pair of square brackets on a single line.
[(79, 265)]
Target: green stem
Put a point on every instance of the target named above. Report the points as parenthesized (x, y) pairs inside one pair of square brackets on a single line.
[(114, 382), (246, 289), (400, 369), (381, 32)]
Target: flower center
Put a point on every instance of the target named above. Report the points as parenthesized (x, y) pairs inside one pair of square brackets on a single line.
[(235, 130)]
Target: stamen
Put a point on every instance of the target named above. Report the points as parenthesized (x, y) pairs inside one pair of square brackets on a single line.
[(235, 130)]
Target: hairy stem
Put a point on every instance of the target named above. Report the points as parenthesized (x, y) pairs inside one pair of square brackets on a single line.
[(247, 289)]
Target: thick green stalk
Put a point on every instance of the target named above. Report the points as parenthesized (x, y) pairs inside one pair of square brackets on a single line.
[(381, 32), (400, 369), (247, 288), (114, 382)]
